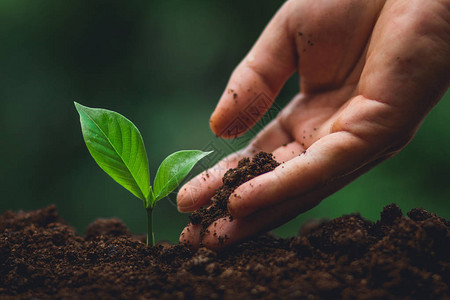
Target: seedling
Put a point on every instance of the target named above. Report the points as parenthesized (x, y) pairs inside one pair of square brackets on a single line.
[(116, 145)]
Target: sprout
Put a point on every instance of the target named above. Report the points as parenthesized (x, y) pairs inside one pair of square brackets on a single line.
[(116, 145)]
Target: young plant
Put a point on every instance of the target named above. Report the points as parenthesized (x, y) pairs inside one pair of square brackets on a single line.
[(117, 146)]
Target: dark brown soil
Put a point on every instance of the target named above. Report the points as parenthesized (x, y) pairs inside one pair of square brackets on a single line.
[(246, 170), (349, 257), (397, 257)]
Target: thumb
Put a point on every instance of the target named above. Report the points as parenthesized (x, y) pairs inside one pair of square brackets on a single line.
[(257, 80)]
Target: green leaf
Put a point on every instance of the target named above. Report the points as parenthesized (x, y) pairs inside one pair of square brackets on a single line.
[(173, 170), (117, 147)]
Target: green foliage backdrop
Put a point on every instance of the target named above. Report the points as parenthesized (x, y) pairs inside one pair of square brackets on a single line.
[(162, 64)]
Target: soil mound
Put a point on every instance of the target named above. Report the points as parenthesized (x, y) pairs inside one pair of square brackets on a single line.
[(41, 257), (349, 257)]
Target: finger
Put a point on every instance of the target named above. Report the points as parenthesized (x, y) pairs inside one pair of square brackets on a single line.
[(257, 80), (405, 84), (332, 156), (408, 63), (190, 236), (287, 152), (225, 233), (198, 191)]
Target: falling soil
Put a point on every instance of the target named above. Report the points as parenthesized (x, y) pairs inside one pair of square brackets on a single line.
[(398, 257)]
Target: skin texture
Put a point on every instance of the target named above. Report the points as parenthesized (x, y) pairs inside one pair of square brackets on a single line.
[(370, 71)]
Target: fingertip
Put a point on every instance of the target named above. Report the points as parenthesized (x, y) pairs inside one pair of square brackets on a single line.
[(213, 124), (197, 192), (186, 198), (234, 203), (245, 199), (244, 101), (190, 236), (219, 234), (219, 116), (225, 122)]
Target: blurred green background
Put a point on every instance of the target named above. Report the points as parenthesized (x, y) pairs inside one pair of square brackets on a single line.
[(163, 64)]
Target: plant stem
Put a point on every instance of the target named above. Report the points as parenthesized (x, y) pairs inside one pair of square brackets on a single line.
[(150, 235)]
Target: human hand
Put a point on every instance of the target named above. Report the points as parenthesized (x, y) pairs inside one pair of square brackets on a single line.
[(370, 71)]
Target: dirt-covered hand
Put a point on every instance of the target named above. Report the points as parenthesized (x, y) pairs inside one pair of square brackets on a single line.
[(370, 71)]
